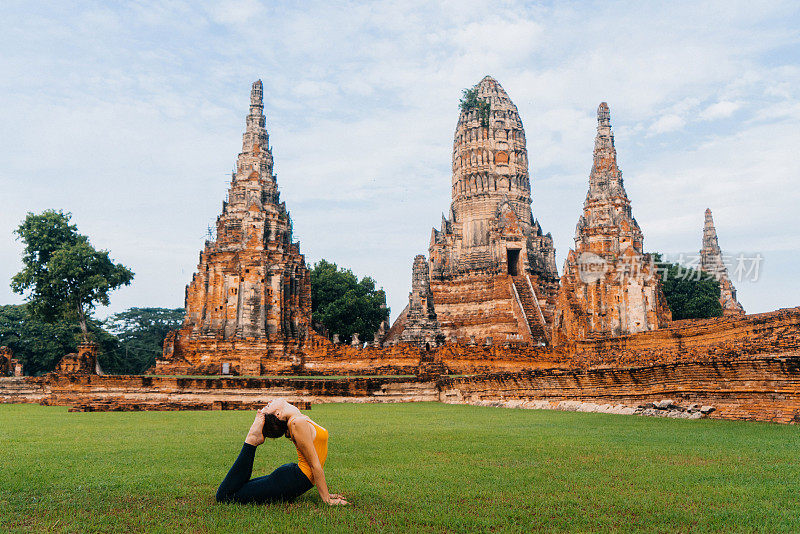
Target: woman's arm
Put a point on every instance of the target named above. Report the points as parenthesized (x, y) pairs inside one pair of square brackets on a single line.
[(303, 435)]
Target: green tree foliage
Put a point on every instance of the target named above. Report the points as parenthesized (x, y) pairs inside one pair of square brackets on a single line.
[(63, 275), (40, 345), (141, 333), (345, 305), (690, 293), (470, 101)]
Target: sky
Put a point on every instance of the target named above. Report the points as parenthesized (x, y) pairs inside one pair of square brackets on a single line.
[(130, 115)]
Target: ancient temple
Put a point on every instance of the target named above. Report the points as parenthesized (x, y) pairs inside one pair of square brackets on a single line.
[(250, 300), (418, 320), (9, 366), (609, 287), (711, 262), (492, 270)]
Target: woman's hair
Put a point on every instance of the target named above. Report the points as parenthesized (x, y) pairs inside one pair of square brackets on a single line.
[(274, 427)]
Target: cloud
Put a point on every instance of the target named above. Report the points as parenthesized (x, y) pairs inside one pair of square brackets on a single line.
[(720, 110), (130, 116), (667, 123)]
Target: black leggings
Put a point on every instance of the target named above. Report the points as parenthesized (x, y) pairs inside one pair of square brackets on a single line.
[(286, 483)]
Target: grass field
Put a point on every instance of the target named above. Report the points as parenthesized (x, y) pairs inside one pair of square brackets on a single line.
[(405, 467)]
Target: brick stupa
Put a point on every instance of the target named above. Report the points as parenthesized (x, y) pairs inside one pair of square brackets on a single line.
[(421, 326), (249, 303), (609, 286), (711, 262), (492, 270)]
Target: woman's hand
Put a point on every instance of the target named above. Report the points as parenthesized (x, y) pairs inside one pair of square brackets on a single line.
[(255, 436), (336, 499)]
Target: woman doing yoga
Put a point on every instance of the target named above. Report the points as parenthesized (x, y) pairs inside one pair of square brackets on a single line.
[(289, 481)]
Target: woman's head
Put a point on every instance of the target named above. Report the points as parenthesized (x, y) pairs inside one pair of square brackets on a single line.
[(278, 407), (274, 427)]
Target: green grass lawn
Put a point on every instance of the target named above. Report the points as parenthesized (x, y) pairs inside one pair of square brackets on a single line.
[(405, 467)]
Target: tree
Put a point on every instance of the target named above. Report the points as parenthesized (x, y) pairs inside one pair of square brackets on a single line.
[(690, 293), (470, 101), (141, 333), (40, 345), (62, 273), (345, 305)]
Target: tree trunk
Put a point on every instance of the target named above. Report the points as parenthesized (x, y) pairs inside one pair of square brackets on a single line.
[(82, 321)]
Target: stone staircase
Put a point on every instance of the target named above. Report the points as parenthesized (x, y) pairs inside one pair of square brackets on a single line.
[(529, 305)]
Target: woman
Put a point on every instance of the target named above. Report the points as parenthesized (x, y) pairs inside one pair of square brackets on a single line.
[(289, 481)]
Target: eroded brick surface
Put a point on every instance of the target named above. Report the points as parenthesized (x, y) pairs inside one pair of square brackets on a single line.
[(6, 357), (82, 362), (419, 321), (745, 367), (763, 389), (695, 340)]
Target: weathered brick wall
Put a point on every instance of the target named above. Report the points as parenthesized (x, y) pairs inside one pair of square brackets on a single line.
[(763, 389), (693, 340), (477, 304), (184, 354), (697, 340), (82, 362), (124, 393)]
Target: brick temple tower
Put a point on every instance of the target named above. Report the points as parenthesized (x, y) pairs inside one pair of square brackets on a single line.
[(711, 262), (249, 301), (419, 323), (492, 270), (609, 286)]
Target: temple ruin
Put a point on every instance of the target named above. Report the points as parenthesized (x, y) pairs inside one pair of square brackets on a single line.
[(9, 366), (711, 262), (418, 319), (487, 322), (609, 287), (250, 300), (82, 362), (492, 273)]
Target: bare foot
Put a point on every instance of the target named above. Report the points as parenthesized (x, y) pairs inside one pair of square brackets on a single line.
[(255, 436)]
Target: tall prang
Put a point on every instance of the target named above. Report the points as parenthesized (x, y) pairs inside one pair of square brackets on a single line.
[(250, 300), (609, 286), (711, 262), (492, 269)]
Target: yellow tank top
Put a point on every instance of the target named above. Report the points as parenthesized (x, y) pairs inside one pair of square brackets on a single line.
[(320, 445)]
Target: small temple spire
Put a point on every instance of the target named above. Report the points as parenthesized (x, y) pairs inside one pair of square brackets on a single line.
[(257, 94), (710, 240), (605, 178), (603, 116), (255, 139), (609, 286), (712, 263), (605, 136), (256, 122)]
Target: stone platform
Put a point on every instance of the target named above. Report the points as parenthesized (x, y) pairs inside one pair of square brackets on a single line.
[(143, 393), (742, 367), (765, 388)]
